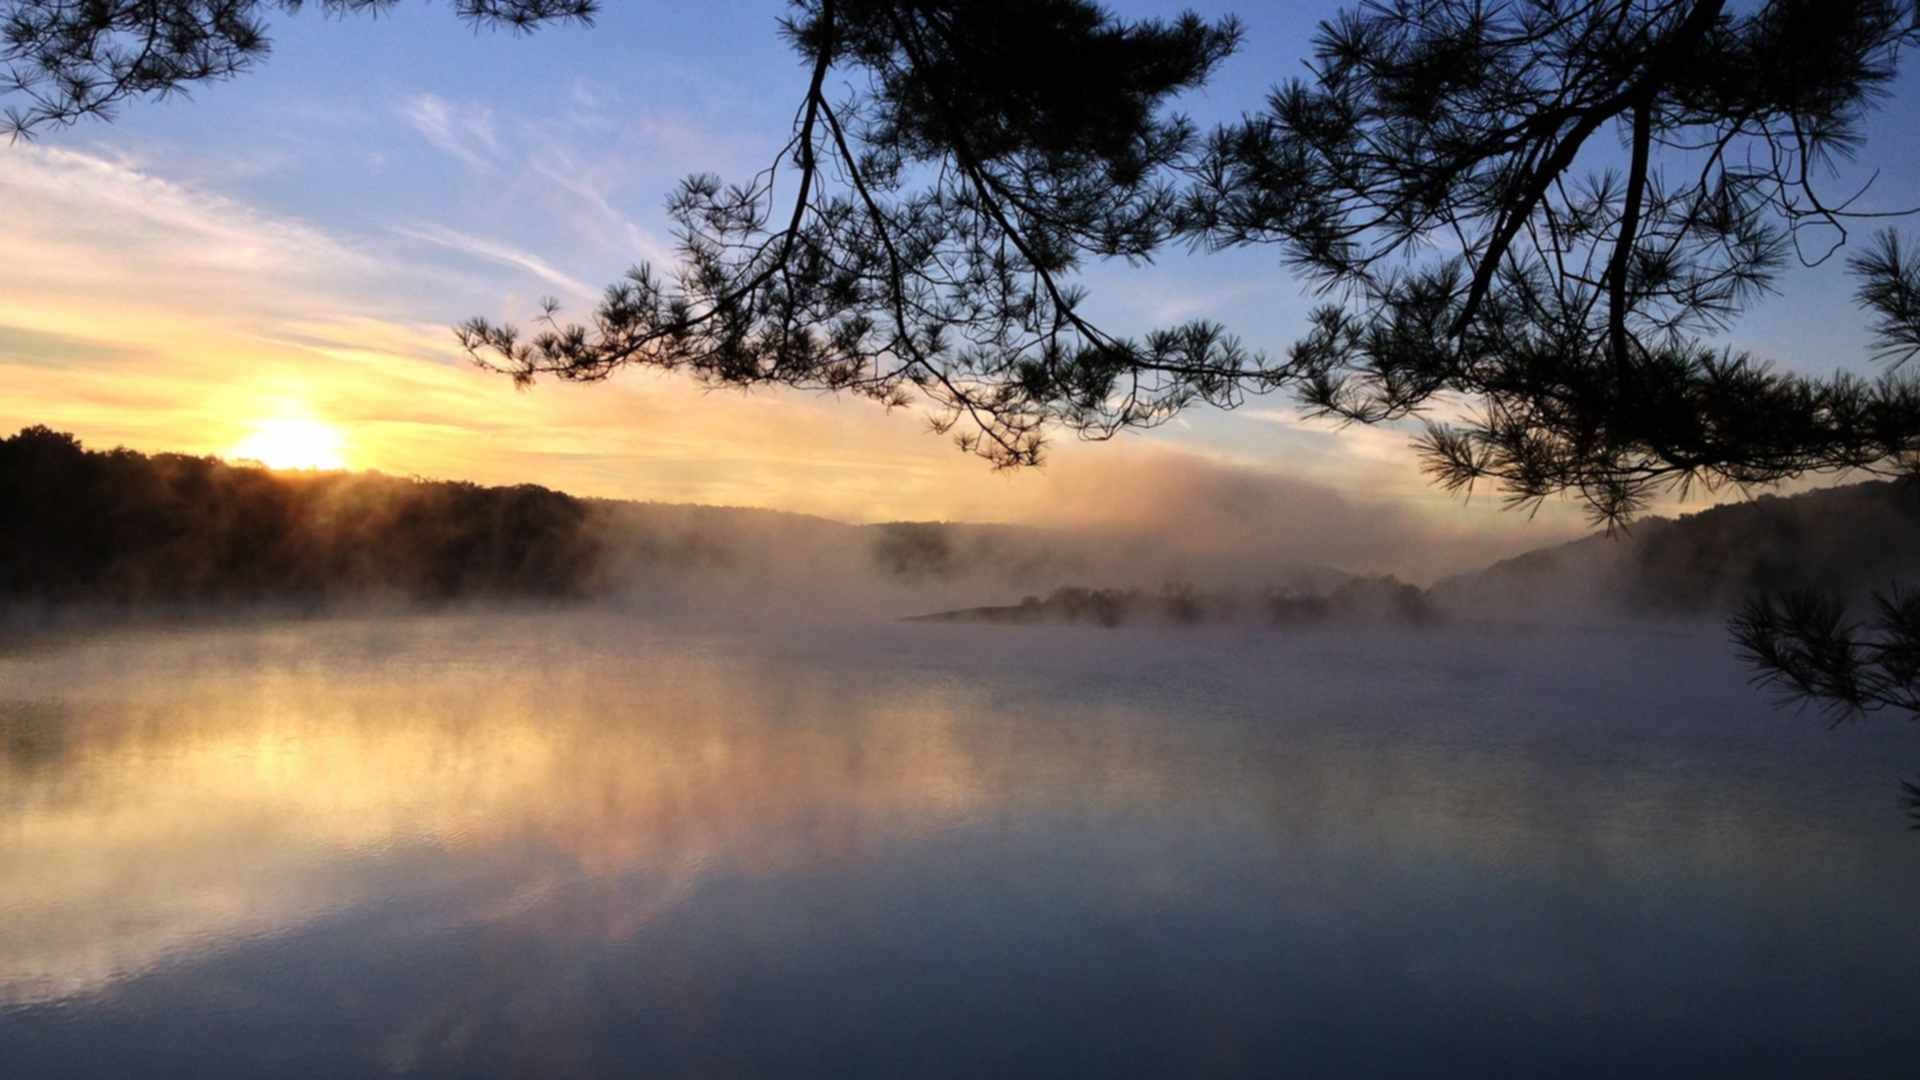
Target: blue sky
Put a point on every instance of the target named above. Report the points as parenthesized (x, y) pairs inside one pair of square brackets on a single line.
[(302, 237)]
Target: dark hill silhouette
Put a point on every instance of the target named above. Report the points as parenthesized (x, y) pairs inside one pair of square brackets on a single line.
[(1845, 541), (119, 529), (122, 528)]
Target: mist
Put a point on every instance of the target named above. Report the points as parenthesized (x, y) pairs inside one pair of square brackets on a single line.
[(123, 534), (1154, 514)]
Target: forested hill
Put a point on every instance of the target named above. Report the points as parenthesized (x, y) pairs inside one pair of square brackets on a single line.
[(119, 527), (1846, 541)]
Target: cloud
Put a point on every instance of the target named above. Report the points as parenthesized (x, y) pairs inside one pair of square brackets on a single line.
[(125, 219), (464, 131), (588, 102), (30, 348), (496, 252), (588, 208)]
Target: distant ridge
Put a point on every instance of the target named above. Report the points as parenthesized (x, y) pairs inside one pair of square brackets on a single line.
[(1846, 540)]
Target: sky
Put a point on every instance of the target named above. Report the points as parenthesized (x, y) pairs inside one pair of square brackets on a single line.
[(292, 248)]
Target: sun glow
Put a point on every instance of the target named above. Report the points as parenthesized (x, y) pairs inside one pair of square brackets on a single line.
[(293, 443)]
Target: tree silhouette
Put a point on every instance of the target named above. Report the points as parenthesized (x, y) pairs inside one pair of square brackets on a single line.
[(1448, 166), (1452, 168), (918, 234), (1807, 647)]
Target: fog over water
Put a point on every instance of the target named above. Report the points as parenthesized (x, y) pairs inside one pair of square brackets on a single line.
[(590, 844)]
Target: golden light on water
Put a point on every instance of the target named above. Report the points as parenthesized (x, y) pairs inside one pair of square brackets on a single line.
[(293, 443)]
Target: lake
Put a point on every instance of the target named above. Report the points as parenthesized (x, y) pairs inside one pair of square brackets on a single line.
[(587, 845)]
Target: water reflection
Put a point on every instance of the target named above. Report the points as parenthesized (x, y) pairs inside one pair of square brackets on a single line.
[(126, 827), (573, 847)]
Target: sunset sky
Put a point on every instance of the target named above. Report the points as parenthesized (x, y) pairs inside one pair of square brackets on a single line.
[(286, 253)]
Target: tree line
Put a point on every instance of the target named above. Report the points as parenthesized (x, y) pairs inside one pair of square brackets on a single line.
[(121, 528)]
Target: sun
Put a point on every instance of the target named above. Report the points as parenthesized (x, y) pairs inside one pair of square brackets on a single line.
[(293, 443)]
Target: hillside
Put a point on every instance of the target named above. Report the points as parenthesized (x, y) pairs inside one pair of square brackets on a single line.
[(1846, 540)]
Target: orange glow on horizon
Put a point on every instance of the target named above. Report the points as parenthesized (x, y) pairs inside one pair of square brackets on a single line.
[(293, 443)]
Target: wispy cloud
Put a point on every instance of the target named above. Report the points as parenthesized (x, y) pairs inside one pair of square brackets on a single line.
[(588, 206), (102, 249), (496, 252), (587, 105), (463, 131)]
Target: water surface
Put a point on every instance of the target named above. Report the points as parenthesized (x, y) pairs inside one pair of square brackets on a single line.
[(585, 846)]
